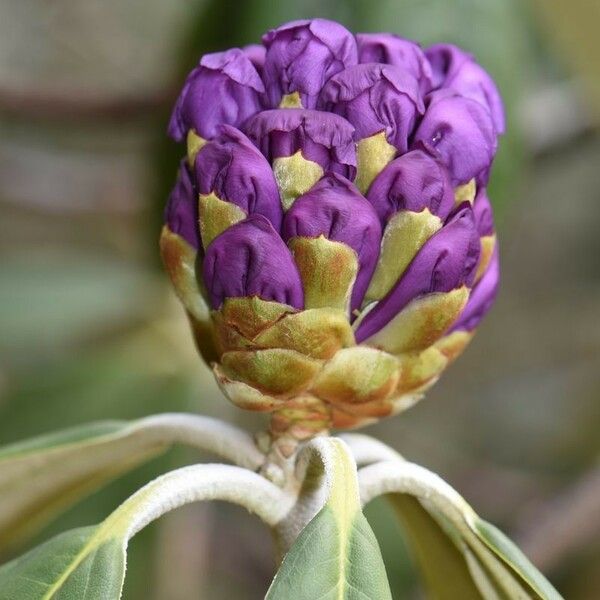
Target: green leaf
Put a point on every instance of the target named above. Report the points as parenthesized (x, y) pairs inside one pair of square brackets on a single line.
[(437, 518), (89, 563), (442, 565), (336, 556), (42, 476), (506, 550), (75, 564)]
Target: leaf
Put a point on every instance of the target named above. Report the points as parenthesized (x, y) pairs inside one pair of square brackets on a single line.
[(437, 519), (509, 553), (75, 564), (42, 476), (89, 563), (443, 566), (336, 556)]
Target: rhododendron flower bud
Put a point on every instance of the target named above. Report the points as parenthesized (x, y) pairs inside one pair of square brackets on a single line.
[(330, 233), (250, 259), (181, 213), (382, 103), (302, 56), (389, 49), (234, 180), (224, 88), (457, 70), (302, 145), (460, 132), (334, 209)]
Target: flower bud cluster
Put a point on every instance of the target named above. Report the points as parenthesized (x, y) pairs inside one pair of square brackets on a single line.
[(329, 233)]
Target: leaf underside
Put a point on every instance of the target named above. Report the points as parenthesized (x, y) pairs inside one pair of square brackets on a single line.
[(43, 476), (443, 566), (476, 562)]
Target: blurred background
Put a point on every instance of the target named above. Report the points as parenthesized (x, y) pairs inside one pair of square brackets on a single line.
[(89, 328)]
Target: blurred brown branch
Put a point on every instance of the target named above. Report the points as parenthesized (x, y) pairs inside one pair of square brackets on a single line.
[(63, 105)]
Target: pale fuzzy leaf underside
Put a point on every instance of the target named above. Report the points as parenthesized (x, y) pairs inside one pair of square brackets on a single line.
[(335, 556), (459, 554), (443, 566), (42, 476), (89, 563)]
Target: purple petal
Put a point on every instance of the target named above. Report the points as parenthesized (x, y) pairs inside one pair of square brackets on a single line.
[(250, 259), (459, 131), (413, 181), (322, 137), (446, 261), (335, 209), (391, 49), (256, 53), (181, 212), (455, 69), (484, 217), (303, 55), (231, 167), (375, 98), (223, 89), (445, 61), (482, 297)]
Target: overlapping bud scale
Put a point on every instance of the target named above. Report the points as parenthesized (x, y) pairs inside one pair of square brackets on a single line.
[(329, 233)]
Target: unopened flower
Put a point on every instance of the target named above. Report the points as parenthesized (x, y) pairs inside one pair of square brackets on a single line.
[(382, 102), (453, 68), (460, 131), (330, 234), (234, 180), (389, 49), (301, 57), (225, 88)]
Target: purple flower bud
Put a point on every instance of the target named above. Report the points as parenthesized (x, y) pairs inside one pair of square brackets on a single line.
[(457, 70), (445, 262), (413, 181), (181, 212), (390, 49), (231, 167), (375, 98), (335, 209), (322, 137), (303, 55), (482, 297), (250, 259), (482, 209), (223, 89), (256, 53), (459, 131), (332, 215)]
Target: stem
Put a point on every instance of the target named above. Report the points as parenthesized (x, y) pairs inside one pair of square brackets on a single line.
[(310, 485), (408, 478), (367, 450), (205, 433), (446, 506), (196, 483)]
